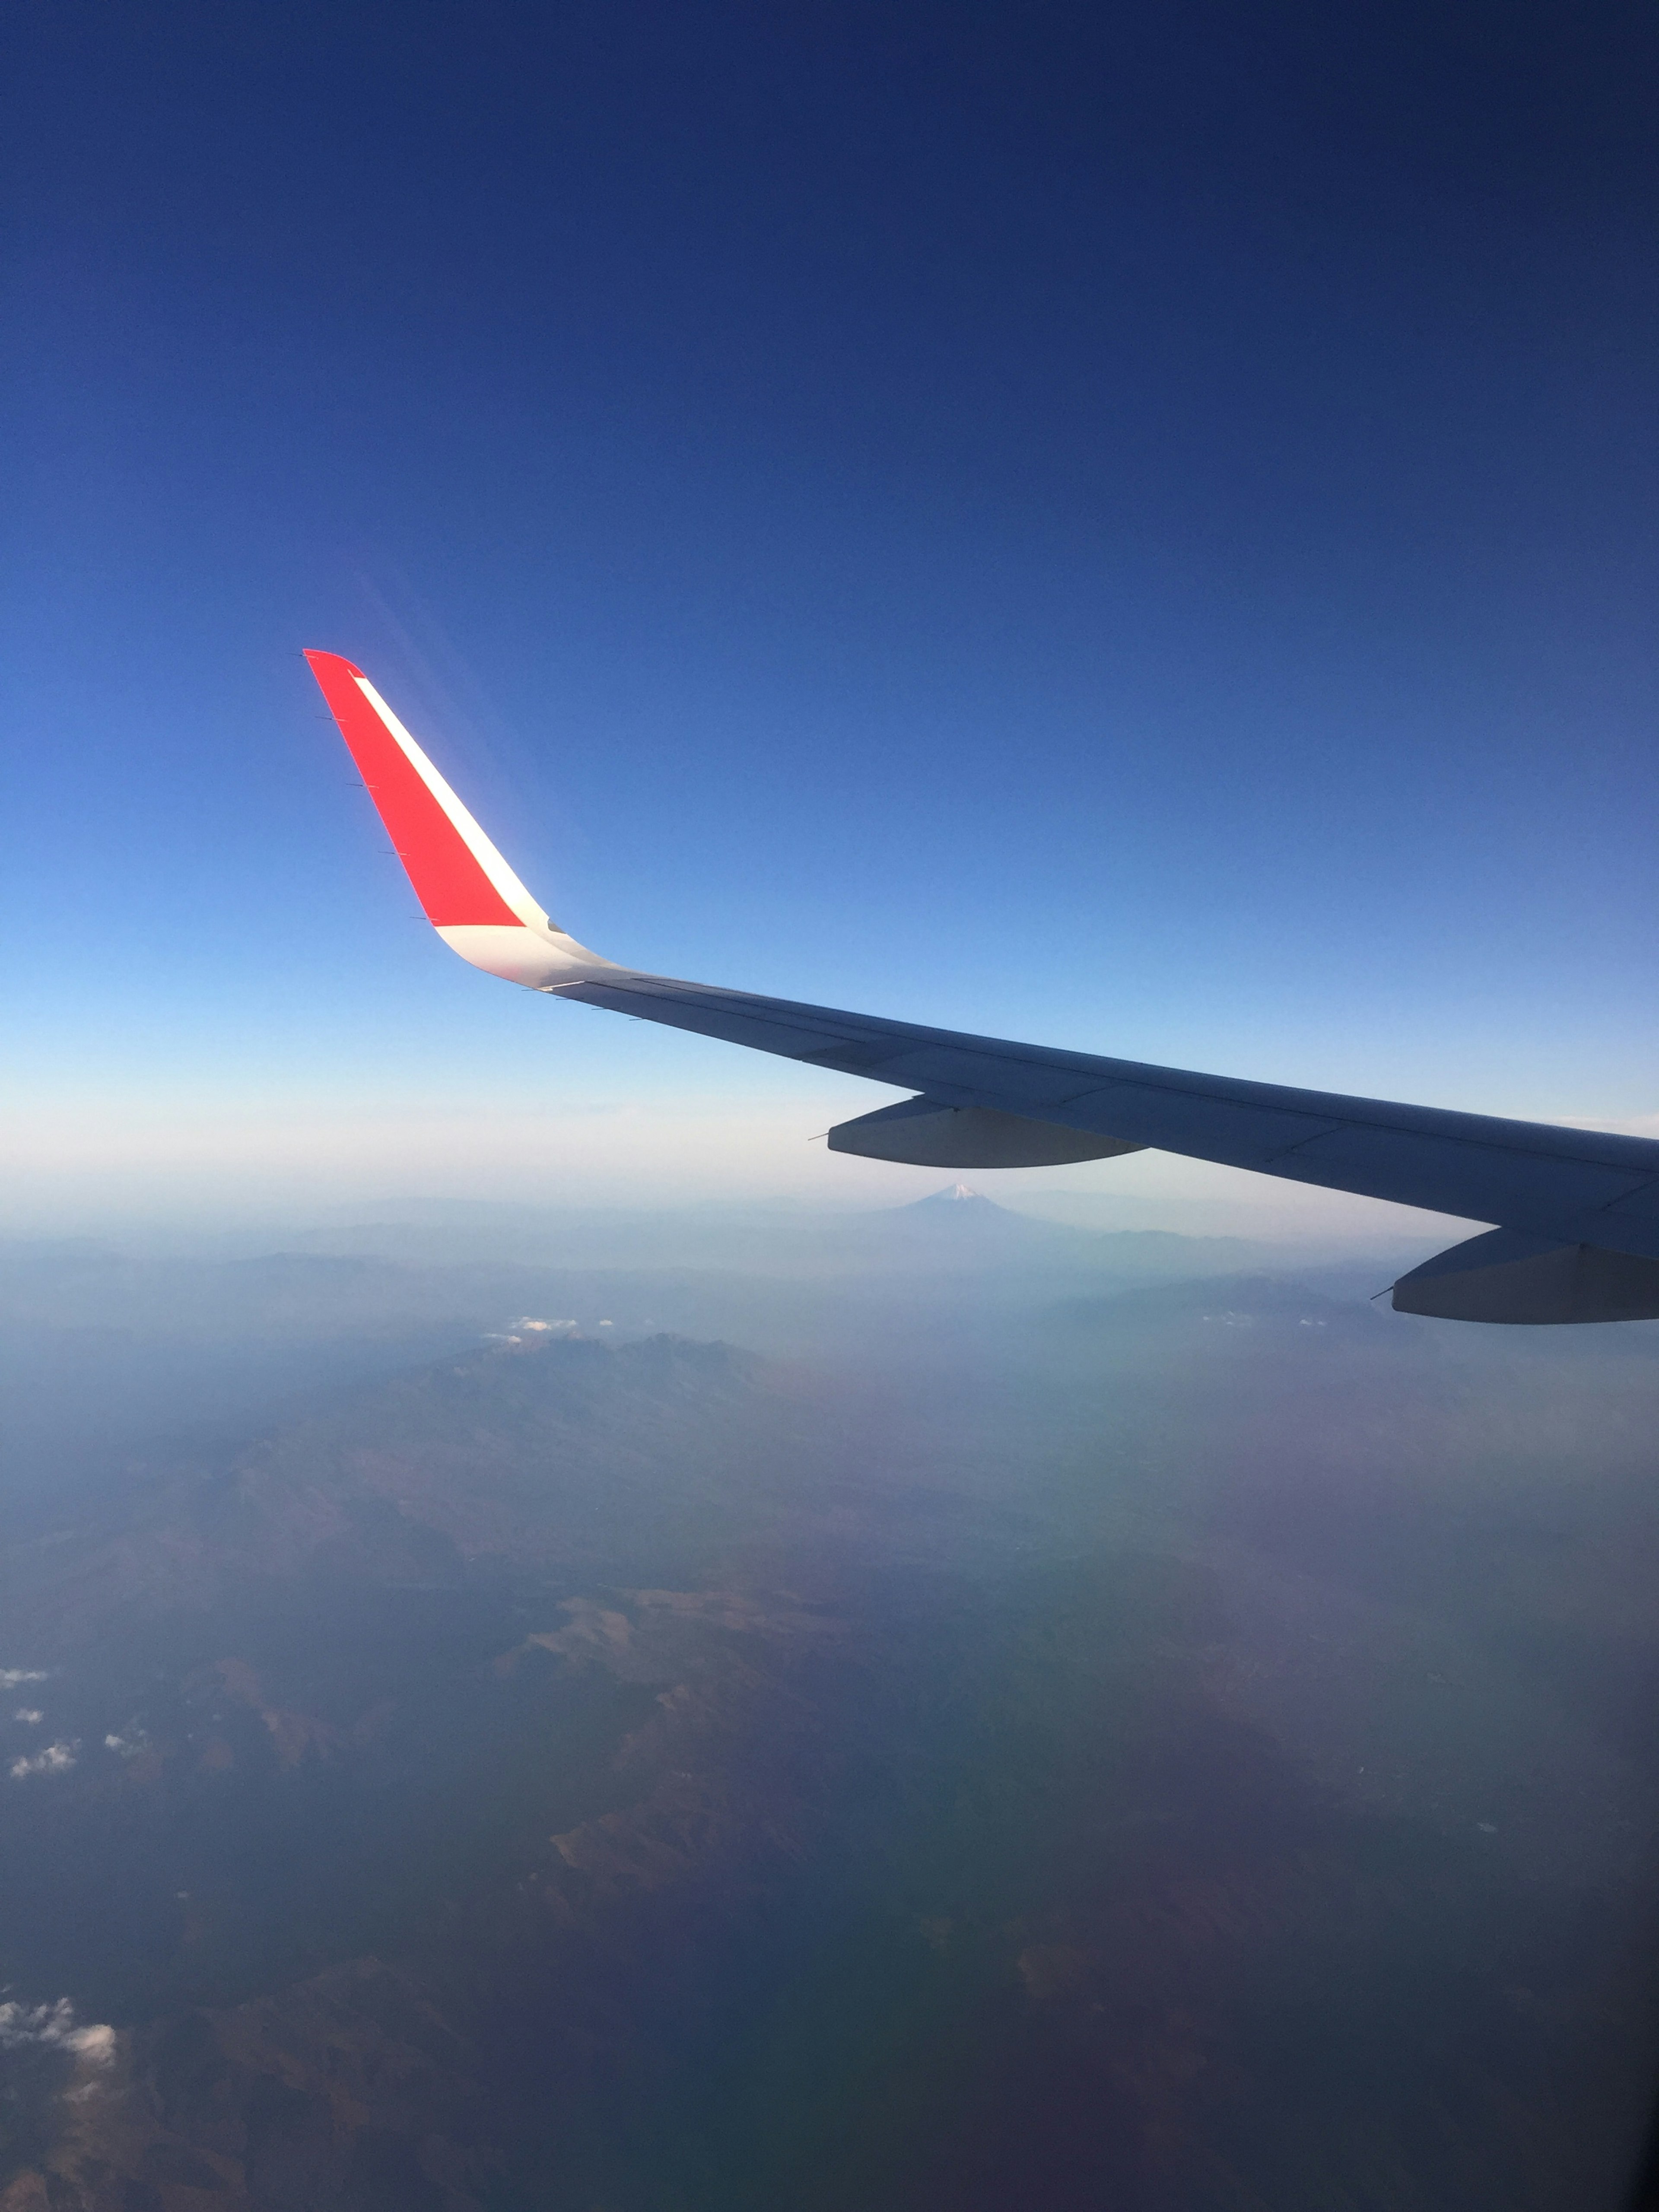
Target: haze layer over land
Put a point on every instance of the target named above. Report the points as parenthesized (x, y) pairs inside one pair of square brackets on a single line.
[(930, 1707)]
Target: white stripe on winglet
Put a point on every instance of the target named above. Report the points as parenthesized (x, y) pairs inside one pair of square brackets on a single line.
[(466, 829)]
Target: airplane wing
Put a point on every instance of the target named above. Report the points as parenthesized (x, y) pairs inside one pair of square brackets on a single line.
[(1576, 1212)]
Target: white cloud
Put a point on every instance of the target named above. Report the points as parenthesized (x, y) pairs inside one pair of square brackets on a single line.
[(13, 1678), (54, 2025), (29, 1715), (55, 1759), (127, 1747)]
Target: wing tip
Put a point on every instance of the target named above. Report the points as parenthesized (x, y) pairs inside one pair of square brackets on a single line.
[(317, 658)]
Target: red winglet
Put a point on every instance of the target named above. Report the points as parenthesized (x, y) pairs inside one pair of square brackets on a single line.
[(449, 879)]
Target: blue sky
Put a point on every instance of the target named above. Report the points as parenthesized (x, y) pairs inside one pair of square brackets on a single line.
[(1130, 533)]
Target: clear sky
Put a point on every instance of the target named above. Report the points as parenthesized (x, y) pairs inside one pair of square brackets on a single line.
[(1130, 527)]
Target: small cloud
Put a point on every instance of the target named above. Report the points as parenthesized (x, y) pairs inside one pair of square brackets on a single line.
[(29, 1716), (528, 1323), (127, 1747), (53, 2025), (607, 1324), (13, 1678), (55, 1759)]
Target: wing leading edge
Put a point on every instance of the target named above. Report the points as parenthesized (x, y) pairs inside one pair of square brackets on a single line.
[(1554, 1194)]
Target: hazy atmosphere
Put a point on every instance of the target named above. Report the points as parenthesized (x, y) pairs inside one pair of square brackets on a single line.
[(562, 1647), (921, 1705)]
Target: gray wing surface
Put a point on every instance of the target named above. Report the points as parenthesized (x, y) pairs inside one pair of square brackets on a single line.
[(1568, 1186)]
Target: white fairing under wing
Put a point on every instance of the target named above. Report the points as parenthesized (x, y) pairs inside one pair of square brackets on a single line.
[(1557, 1191)]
